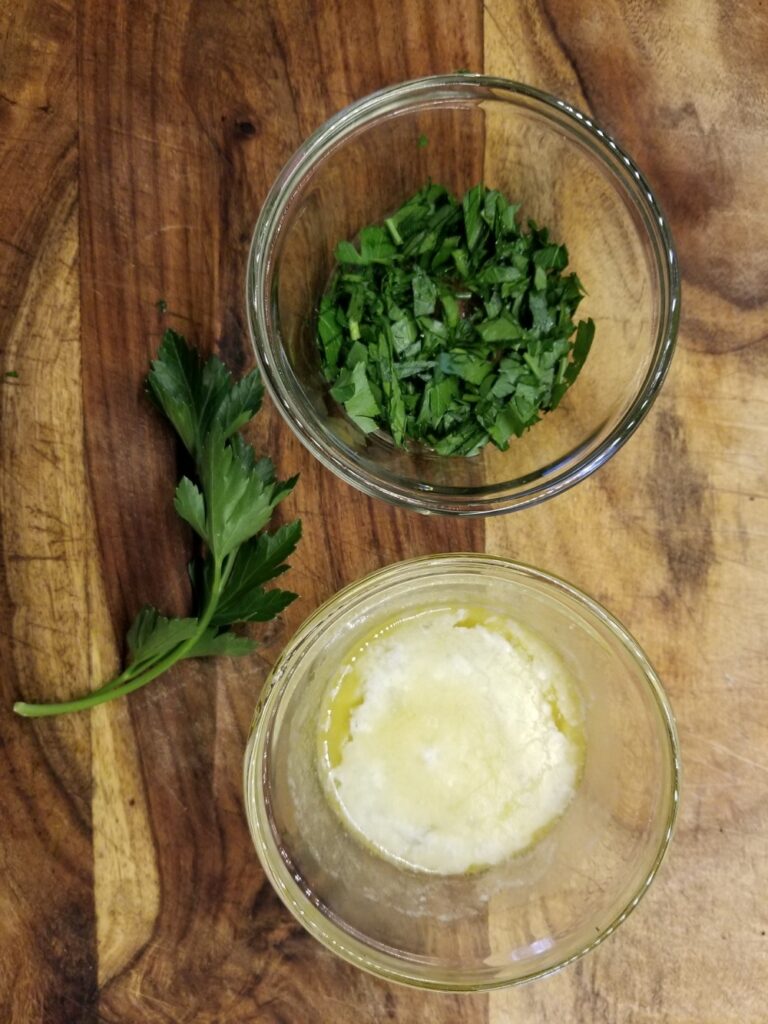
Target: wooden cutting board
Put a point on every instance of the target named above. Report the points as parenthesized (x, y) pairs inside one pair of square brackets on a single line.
[(137, 142)]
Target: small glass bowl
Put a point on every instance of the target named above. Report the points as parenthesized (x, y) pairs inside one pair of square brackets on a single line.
[(570, 176), (522, 918)]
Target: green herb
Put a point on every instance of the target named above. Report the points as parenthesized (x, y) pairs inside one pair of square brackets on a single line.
[(450, 325), (161, 305), (423, 140), (228, 507), (10, 374)]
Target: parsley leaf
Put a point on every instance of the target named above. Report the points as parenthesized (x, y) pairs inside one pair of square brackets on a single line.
[(354, 390), (424, 293), (152, 636), (240, 405), (190, 505), (258, 560), (194, 394), (241, 497), (214, 643)]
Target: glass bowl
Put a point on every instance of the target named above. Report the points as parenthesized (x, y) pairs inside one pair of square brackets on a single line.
[(534, 912), (570, 176)]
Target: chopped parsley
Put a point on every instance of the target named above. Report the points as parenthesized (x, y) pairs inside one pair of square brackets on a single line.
[(449, 325)]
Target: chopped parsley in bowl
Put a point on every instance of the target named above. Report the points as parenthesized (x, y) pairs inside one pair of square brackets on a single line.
[(446, 357), (451, 325)]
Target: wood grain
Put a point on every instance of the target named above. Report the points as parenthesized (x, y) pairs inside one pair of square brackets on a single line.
[(181, 135), (671, 534), (49, 561), (137, 142)]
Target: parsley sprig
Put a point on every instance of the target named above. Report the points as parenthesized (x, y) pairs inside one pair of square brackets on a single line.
[(449, 325), (228, 509)]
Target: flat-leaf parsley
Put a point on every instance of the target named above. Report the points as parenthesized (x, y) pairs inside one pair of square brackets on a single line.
[(228, 509)]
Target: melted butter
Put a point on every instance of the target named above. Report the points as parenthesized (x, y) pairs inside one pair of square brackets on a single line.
[(451, 739), (346, 696)]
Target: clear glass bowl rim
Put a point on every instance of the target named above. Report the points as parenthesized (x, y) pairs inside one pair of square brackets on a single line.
[(278, 684), (280, 380)]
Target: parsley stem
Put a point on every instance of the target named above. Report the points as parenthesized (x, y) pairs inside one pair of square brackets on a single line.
[(99, 696), (117, 688), (125, 676)]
